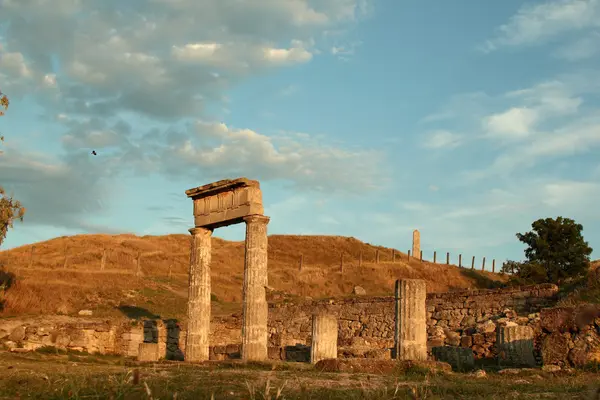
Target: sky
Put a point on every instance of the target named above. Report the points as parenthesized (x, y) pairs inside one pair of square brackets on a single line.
[(464, 119)]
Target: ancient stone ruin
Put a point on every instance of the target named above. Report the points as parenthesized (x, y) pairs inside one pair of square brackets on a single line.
[(416, 244), (217, 205)]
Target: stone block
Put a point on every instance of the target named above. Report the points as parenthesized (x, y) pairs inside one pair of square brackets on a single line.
[(515, 346), (460, 358), (558, 319), (148, 352), (324, 337), (555, 349), (225, 202)]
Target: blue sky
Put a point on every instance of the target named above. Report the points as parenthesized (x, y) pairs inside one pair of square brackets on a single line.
[(466, 120)]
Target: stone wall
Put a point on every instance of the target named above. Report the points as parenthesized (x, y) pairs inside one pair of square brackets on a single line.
[(570, 336), (366, 324)]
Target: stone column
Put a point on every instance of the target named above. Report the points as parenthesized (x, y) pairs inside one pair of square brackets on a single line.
[(324, 337), (416, 245), (196, 346), (515, 346), (411, 328), (255, 309)]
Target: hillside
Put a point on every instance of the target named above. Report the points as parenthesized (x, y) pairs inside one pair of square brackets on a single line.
[(102, 273)]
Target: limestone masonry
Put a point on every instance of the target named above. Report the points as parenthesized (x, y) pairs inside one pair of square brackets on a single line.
[(460, 325)]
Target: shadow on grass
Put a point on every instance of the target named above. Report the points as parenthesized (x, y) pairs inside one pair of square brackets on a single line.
[(134, 312), (481, 281)]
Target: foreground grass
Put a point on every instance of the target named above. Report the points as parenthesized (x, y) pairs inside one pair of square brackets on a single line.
[(81, 376)]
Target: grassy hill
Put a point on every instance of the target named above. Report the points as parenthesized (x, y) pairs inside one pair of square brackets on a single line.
[(102, 273)]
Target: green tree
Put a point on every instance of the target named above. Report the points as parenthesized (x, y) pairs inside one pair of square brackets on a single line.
[(10, 209), (556, 248)]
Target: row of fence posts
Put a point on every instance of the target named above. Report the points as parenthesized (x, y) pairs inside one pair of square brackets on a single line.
[(360, 260), (138, 271)]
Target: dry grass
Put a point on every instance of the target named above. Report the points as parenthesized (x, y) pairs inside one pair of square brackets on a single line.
[(80, 376), (46, 284)]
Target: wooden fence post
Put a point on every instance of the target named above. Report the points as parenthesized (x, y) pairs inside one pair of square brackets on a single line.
[(448, 258), (103, 260), (473, 263), (493, 265), (31, 257), (408, 253), (483, 264), (138, 270), (421, 259), (434, 256), (66, 257), (460, 260)]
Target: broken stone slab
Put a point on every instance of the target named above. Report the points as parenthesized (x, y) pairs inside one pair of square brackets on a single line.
[(515, 346), (359, 291), (460, 358), (148, 352)]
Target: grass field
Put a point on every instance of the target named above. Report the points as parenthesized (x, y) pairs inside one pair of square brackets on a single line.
[(67, 274), (80, 376)]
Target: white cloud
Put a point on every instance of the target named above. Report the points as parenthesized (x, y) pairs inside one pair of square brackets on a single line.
[(286, 56), (442, 139), (536, 23), (571, 194), (581, 49), (196, 51), (514, 123)]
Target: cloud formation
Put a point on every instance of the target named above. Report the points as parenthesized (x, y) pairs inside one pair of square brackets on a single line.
[(136, 83), (534, 24)]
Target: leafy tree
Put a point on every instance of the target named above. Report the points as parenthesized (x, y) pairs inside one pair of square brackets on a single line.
[(524, 272), (10, 209), (555, 251)]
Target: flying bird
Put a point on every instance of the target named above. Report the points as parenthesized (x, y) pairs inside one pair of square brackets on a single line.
[(94, 152)]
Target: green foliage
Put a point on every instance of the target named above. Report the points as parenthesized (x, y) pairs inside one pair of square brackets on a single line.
[(525, 273), (555, 251), (10, 209)]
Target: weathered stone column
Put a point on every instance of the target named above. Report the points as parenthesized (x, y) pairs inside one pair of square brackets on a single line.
[(515, 346), (324, 337), (198, 329), (411, 329), (416, 245), (255, 308)]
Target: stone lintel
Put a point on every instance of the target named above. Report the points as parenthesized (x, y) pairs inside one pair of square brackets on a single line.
[(223, 185), (225, 202)]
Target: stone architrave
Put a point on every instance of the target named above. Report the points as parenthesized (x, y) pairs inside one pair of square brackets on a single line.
[(416, 244), (515, 346), (324, 337), (255, 307), (199, 296), (219, 204), (411, 325)]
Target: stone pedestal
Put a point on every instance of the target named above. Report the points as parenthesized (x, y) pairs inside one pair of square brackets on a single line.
[(324, 337), (148, 352), (255, 308), (515, 346), (411, 328), (199, 296), (460, 358)]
